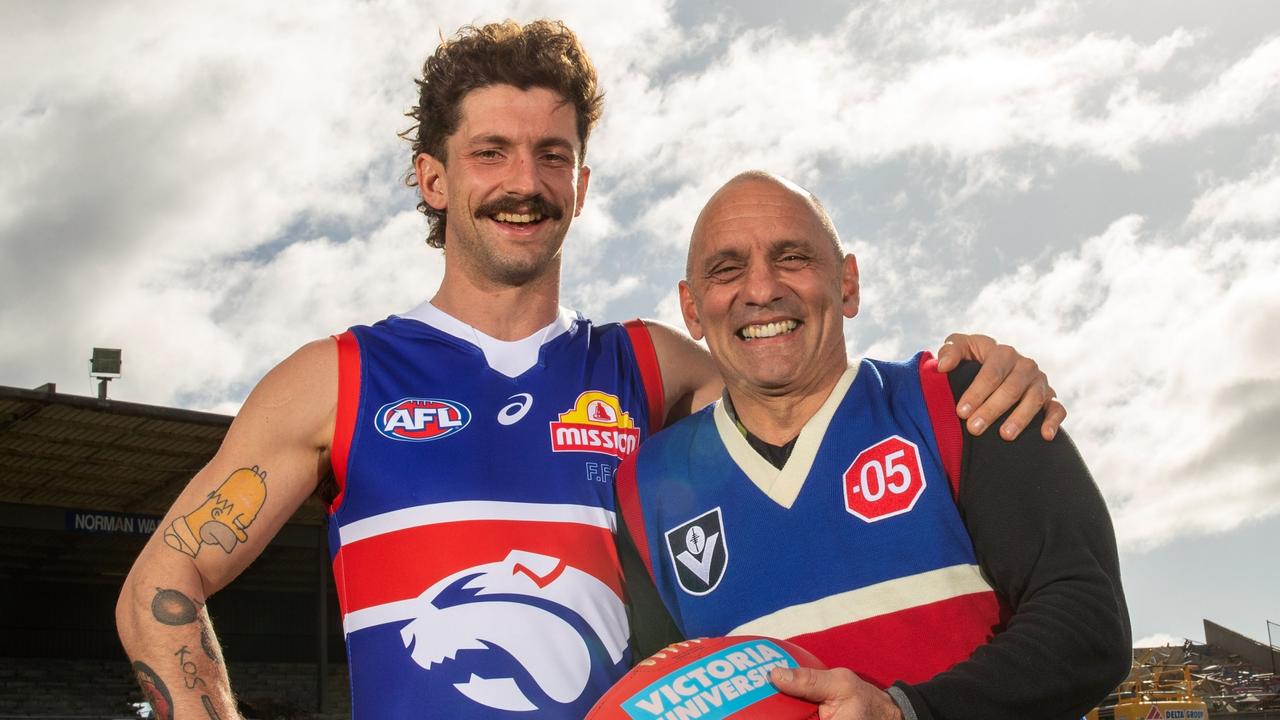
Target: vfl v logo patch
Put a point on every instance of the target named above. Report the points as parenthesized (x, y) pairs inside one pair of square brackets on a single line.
[(699, 552)]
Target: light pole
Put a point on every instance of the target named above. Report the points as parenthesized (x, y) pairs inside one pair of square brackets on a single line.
[(1271, 648)]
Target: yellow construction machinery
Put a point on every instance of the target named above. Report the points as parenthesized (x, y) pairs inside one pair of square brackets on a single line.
[(1160, 692)]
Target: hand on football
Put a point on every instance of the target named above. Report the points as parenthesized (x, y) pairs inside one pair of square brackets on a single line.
[(839, 693)]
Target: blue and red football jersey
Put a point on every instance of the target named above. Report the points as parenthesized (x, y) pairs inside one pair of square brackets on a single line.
[(854, 549), (472, 537)]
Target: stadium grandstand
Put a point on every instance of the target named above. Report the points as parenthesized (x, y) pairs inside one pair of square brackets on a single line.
[(83, 483)]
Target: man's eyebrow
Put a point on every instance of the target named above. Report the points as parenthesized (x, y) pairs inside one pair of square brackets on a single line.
[(792, 245), (504, 141), (715, 258), (554, 141), (490, 139)]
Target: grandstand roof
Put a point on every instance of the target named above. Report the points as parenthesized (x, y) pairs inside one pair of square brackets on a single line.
[(64, 458)]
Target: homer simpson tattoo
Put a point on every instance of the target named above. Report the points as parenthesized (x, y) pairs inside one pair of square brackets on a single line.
[(225, 515)]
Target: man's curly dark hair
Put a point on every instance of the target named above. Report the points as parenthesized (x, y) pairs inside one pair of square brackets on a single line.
[(541, 54)]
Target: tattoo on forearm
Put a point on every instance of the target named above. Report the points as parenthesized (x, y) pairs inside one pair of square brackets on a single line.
[(208, 708), (154, 691), (206, 643), (224, 517), (173, 608), (190, 671)]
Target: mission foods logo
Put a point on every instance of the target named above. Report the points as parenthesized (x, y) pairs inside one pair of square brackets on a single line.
[(716, 686), (595, 424), (421, 419)]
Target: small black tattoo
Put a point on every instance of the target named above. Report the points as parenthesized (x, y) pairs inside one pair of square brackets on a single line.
[(206, 642), (208, 707), (172, 607)]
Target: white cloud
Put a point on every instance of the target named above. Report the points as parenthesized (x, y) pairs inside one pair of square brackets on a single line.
[(1163, 349), (170, 170), (1158, 640), (207, 333), (1253, 201), (919, 80)]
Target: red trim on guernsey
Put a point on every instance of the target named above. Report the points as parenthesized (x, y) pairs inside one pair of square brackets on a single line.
[(650, 371), (942, 415), (911, 645), (425, 554), (624, 484), (344, 424)]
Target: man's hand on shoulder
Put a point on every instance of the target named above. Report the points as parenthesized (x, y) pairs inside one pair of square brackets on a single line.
[(839, 693), (1007, 379)]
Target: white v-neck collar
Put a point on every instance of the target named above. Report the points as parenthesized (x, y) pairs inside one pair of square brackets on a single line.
[(509, 357), (783, 485)]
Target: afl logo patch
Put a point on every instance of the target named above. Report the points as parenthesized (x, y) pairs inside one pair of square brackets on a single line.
[(699, 552), (421, 419)]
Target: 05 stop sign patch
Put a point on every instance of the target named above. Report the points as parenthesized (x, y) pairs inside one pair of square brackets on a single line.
[(884, 480)]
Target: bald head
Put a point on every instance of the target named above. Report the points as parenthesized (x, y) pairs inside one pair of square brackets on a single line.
[(735, 199), (768, 287)]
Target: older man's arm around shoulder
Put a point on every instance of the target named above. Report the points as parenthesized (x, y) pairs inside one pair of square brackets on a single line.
[(270, 461)]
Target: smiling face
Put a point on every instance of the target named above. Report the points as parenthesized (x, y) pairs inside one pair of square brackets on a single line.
[(768, 288), (512, 183)]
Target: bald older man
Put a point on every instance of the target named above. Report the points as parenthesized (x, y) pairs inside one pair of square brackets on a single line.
[(839, 505)]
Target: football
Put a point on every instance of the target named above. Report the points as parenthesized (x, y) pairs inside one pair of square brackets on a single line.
[(709, 679)]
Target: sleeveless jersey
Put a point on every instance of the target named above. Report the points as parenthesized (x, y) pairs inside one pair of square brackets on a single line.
[(855, 549), (472, 537)]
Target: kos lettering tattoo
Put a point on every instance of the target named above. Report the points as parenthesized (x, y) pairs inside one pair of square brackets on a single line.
[(189, 669)]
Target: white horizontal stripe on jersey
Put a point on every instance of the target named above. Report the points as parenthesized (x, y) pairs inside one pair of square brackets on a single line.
[(379, 614), (464, 510), (868, 602)]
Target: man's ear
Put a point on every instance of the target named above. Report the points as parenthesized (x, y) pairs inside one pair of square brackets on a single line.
[(849, 291), (584, 178), (690, 311), (431, 181)]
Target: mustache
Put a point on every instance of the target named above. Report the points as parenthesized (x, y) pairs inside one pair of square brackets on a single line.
[(515, 204)]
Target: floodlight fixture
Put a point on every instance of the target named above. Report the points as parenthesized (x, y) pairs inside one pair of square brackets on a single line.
[(105, 365)]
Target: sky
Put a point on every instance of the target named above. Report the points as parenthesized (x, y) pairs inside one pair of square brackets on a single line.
[(208, 187)]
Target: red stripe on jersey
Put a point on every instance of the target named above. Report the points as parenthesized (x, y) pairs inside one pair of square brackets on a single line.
[(401, 564), (344, 424), (911, 645), (650, 371), (624, 483), (942, 415)]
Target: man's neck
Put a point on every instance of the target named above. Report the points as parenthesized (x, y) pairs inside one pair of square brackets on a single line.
[(778, 419), (502, 312)]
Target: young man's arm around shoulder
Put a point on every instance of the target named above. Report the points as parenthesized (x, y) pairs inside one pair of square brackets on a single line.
[(1045, 542), (272, 458), (1007, 380)]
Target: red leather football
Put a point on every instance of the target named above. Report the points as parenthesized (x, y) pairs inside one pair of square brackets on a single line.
[(709, 679)]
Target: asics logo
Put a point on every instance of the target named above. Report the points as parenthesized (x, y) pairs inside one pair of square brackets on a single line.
[(514, 412)]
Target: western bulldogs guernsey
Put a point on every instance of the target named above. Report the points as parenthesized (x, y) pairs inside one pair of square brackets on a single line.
[(472, 536), (854, 549)]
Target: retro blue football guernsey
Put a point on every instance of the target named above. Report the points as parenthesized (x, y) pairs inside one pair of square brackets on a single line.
[(854, 549), (472, 535)]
